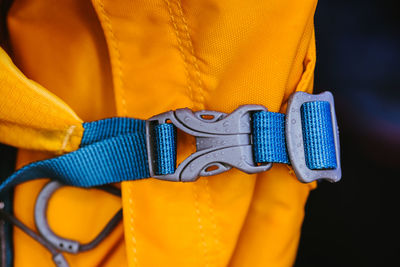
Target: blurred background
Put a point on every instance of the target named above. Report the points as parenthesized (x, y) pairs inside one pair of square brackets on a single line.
[(353, 222)]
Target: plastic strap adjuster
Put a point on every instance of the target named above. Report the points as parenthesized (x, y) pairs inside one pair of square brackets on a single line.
[(295, 139)]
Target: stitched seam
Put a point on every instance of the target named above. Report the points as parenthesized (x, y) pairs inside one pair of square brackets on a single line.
[(197, 96), (181, 49), (186, 50), (193, 77), (131, 214), (192, 55), (114, 44), (119, 84), (203, 243), (213, 222), (67, 137)]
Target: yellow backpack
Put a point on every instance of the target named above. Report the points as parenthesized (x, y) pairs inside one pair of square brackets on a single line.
[(71, 62)]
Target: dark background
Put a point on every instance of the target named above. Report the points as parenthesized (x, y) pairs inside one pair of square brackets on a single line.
[(353, 222)]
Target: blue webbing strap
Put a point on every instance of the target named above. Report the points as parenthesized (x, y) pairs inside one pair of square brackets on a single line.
[(319, 144), (165, 137), (104, 129), (112, 150), (269, 136), (269, 144)]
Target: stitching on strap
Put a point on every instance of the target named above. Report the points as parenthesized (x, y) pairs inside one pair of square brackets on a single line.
[(67, 138)]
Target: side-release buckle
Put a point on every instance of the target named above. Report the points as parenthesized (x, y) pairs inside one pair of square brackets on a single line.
[(223, 141), (295, 141)]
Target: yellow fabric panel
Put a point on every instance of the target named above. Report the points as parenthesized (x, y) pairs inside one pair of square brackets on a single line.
[(277, 209), (61, 46), (217, 55), (159, 55), (32, 117)]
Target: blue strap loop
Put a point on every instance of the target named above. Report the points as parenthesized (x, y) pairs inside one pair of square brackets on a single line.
[(269, 144), (114, 150), (319, 144), (165, 135)]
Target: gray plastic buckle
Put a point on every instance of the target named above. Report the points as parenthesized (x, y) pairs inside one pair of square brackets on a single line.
[(223, 141), (295, 143)]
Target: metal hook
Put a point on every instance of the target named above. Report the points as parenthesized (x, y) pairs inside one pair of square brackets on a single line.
[(61, 243)]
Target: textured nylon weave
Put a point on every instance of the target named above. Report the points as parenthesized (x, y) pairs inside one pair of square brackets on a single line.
[(165, 137), (318, 138), (113, 150), (103, 129), (269, 136)]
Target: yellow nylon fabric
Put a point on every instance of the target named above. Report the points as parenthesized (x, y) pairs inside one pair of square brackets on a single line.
[(139, 58), (20, 127), (61, 46)]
